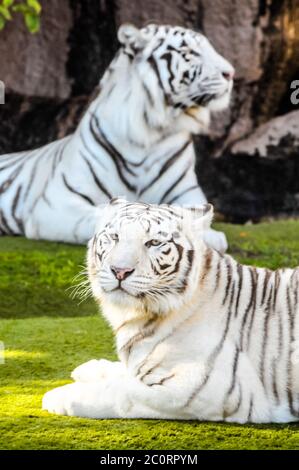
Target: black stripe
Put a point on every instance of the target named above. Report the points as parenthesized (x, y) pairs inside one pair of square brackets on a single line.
[(44, 152), (16, 161), (173, 185), (183, 194), (268, 274), (95, 178), (234, 373), (93, 155), (58, 157), (149, 371), (218, 274), (204, 99), (250, 409), (274, 382), (102, 141), (276, 288), (72, 190), (228, 279), (166, 166), (153, 63), (265, 335), (14, 208), (4, 224), (249, 306), (147, 331), (253, 309), (290, 384), (110, 147), (167, 56), (239, 289), (12, 177), (190, 258), (238, 404), (161, 382), (294, 282)]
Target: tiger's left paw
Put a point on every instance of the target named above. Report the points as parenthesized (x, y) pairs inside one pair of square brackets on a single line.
[(61, 400)]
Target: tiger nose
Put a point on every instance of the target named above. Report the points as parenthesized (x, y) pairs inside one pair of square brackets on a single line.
[(121, 273), (229, 74)]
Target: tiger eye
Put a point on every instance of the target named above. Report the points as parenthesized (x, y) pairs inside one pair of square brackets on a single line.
[(176, 235), (114, 237), (153, 243)]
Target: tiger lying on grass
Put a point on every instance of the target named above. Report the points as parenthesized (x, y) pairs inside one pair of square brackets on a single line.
[(198, 335), (135, 140)]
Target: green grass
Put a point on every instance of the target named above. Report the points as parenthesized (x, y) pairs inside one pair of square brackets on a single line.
[(46, 334)]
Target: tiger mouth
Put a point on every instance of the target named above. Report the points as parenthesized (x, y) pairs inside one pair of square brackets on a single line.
[(118, 288), (203, 101)]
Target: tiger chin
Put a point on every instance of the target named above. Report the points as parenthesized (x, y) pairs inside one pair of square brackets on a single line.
[(198, 335)]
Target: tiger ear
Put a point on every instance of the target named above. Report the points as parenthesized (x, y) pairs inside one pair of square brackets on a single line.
[(202, 217), (131, 37)]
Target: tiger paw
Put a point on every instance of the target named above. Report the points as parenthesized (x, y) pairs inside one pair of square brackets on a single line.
[(94, 370), (60, 401)]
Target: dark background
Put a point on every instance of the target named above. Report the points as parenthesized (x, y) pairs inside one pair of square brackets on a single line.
[(248, 166)]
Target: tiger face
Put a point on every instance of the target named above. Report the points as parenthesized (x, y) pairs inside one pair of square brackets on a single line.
[(188, 69), (143, 256)]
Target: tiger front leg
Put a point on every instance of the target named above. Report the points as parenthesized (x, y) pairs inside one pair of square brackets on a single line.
[(86, 400), (108, 399), (97, 370), (118, 394), (72, 223)]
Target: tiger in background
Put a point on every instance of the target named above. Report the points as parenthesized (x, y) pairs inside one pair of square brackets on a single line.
[(135, 140), (199, 336)]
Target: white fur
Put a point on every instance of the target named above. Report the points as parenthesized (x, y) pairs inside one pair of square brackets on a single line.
[(145, 127), (222, 349)]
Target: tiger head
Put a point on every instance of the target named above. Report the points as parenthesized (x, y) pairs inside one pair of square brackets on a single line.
[(145, 258), (179, 66)]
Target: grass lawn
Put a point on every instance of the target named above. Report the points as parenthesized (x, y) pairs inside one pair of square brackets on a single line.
[(46, 334)]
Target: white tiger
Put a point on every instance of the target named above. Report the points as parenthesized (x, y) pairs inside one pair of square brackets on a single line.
[(198, 335), (134, 140)]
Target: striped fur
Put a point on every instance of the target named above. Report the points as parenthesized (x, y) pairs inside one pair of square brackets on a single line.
[(134, 140), (199, 336)]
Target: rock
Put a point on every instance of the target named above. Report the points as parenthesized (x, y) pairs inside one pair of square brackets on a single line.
[(246, 187), (35, 65), (278, 138)]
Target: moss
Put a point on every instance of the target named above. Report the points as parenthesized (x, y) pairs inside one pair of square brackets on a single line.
[(46, 335)]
